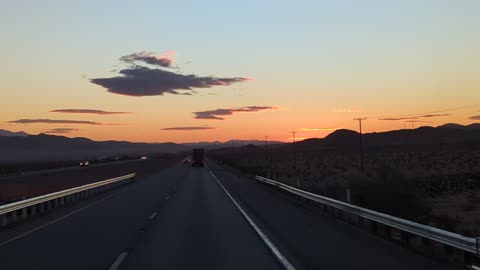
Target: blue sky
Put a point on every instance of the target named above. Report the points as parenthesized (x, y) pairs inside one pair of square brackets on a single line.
[(382, 57)]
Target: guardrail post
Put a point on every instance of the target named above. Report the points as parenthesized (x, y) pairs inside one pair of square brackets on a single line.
[(14, 216), (55, 203), (3, 220), (33, 210), (372, 225), (24, 213), (478, 246), (41, 207), (49, 205)]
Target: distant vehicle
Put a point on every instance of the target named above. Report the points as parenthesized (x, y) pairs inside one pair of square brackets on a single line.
[(84, 163), (198, 157), (143, 158), (186, 160)]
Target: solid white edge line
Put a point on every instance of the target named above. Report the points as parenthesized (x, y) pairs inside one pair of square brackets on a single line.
[(116, 264), (153, 216), (276, 252)]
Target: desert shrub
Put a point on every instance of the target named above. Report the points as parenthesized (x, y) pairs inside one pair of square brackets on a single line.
[(391, 194), (471, 203)]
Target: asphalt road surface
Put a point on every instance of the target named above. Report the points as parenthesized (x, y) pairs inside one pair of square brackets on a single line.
[(180, 218)]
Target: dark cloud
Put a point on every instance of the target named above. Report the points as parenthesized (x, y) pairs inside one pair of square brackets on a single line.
[(475, 117), (413, 118), (417, 121), (54, 121), (142, 81), (61, 130), (88, 111), (188, 128), (434, 115), (215, 114), (397, 118), (151, 58)]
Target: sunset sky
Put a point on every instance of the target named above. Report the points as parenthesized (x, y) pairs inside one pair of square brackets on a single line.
[(185, 71)]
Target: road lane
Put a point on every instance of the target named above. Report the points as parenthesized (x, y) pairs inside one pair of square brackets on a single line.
[(200, 229), (314, 241), (180, 218), (93, 238)]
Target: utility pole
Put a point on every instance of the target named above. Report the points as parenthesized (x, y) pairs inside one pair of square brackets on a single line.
[(266, 156), (294, 154), (361, 140), (266, 148)]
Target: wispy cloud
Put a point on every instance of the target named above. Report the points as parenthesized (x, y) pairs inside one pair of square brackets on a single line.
[(88, 111), (475, 117), (434, 115), (142, 81), (417, 121), (56, 121), (414, 118), (164, 60), (397, 118), (61, 130), (187, 128), (347, 110), (318, 129), (219, 113)]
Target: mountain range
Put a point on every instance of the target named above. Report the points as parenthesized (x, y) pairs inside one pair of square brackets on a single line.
[(8, 133), (21, 147), (441, 135)]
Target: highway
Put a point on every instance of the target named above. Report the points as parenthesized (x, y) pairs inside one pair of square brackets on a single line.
[(181, 218)]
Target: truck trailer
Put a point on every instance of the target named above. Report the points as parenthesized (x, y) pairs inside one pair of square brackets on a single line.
[(198, 157)]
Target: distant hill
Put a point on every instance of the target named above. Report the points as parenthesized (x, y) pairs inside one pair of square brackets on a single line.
[(44, 147), (457, 126), (446, 134), (231, 143), (8, 133)]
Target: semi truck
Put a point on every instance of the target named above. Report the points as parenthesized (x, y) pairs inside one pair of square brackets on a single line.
[(198, 157)]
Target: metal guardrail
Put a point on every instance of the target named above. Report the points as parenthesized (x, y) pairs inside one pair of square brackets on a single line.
[(458, 241), (4, 209)]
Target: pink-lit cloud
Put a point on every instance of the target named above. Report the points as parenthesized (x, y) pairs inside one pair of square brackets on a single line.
[(164, 60)]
